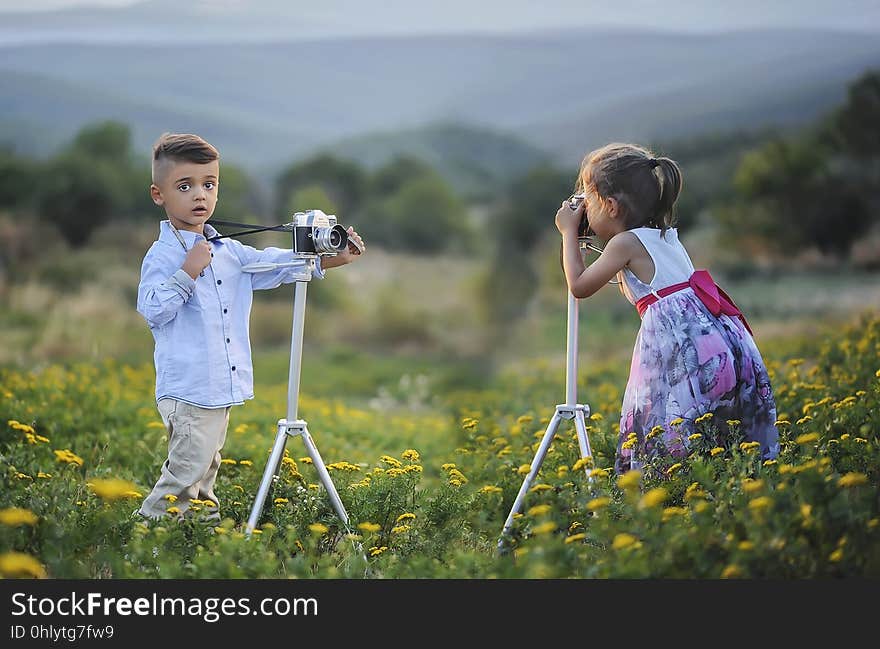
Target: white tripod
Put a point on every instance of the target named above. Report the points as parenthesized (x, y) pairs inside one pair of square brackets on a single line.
[(570, 410), (292, 426)]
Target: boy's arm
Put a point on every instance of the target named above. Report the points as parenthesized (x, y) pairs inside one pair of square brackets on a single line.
[(163, 289), (273, 278)]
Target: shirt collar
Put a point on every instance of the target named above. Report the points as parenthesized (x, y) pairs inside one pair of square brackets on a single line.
[(166, 233)]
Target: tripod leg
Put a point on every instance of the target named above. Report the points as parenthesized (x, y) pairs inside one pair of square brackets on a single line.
[(533, 471), (580, 426), (324, 475), (268, 475)]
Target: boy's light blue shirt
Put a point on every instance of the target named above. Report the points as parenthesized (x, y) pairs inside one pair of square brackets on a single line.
[(202, 327)]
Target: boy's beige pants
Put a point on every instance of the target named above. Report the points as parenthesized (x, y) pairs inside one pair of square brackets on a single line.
[(195, 437)]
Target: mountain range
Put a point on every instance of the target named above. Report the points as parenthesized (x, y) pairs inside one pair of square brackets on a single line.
[(518, 98)]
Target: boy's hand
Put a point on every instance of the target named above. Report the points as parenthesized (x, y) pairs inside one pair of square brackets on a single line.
[(197, 259), (567, 219), (352, 251)]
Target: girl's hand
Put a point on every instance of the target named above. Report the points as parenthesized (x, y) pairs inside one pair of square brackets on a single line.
[(567, 219)]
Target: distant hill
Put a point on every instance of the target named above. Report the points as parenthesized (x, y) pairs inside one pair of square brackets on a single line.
[(265, 104), (475, 161)]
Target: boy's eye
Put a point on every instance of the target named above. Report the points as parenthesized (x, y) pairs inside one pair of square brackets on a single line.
[(183, 187), (209, 185)]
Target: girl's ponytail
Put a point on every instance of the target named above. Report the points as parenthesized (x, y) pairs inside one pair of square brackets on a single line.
[(669, 177)]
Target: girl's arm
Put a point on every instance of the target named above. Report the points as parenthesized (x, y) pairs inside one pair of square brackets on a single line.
[(584, 281)]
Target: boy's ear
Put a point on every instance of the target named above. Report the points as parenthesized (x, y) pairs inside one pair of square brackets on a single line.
[(156, 195)]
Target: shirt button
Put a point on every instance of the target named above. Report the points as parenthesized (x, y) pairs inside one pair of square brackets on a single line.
[(233, 368), (219, 281), (227, 340), (224, 310)]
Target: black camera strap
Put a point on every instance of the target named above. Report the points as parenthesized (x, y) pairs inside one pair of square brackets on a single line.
[(254, 229)]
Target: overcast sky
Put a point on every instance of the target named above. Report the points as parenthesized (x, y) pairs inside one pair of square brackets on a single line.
[(500, 15)]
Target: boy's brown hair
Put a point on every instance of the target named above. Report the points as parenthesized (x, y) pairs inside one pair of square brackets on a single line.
[(181, 147)]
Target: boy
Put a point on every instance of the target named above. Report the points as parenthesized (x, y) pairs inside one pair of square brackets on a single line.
[(197, 301)]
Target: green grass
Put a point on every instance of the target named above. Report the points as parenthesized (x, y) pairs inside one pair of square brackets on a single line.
[(428, 482)]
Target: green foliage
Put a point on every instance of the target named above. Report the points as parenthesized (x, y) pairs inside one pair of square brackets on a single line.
[(80, 194), (523, 217), (310, 197), (437, 513), (816, 188), (342, 181), (19, 178), (422, 215)]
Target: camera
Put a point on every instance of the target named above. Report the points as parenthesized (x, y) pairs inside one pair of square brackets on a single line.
[(584, 229), (316, 233)]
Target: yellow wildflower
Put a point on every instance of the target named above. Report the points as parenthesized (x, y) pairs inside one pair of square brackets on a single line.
[(836, 556), (677, 421), (653, 498), (405, 517), (69, 457), (751, 486), (807, 438), (369, 527), (675, 467), (716, 451), (624, 540), (761, 503), (541, 487), (113, 488), (575, 537), (671, 512), (400, 529), (852, 479), (731, 572), (15, 516), (410, 454), (598, 503), (318, 529), (18, 564), (544, 528), (490, 489), (630, 479), (539, 510), (746, 546), (599, 473), (582, 463)]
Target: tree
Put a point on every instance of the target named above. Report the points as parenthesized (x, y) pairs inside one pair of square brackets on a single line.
[(342, 181), (18, 179), (817, 187), (79, 195), (423, 216)]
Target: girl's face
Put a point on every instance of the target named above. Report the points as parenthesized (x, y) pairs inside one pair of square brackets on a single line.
[(602, 214)]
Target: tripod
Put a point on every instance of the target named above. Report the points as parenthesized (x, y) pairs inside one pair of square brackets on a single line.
[(291, 426), (570, 410)]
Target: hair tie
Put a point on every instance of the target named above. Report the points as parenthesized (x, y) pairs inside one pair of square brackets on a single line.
[(653, 162)]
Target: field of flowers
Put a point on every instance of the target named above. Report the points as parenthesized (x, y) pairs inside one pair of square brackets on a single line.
[(428, 491)]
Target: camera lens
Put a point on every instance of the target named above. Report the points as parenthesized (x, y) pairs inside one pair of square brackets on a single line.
[(333, 239)]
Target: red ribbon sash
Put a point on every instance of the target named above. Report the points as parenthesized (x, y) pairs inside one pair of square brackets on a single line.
[(710, 294)]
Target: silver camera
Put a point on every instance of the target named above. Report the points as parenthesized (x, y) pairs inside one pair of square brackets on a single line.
[(316, 233)]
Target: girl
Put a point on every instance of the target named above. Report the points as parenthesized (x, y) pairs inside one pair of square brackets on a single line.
[(694, 353)]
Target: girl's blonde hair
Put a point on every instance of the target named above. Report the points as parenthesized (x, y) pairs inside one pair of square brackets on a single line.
[(646, 187)]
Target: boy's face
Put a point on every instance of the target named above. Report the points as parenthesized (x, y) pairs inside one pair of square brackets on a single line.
[(187, 191)]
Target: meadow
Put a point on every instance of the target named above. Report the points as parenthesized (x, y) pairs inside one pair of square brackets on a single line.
[(428, 466)]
